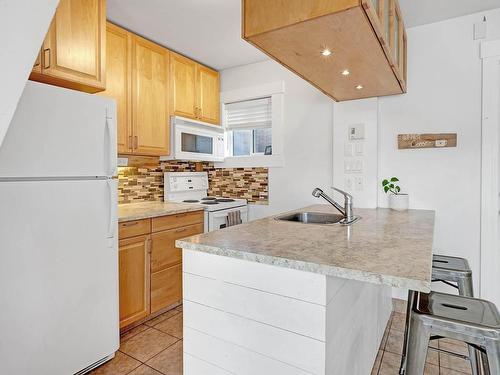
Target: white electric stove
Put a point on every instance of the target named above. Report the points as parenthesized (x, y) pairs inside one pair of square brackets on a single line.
[(192, 187)]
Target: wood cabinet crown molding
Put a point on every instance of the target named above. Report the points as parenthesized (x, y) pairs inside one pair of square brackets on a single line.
[(348, 49)]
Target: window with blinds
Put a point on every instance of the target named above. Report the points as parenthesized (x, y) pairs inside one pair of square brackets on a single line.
[(249, 127)]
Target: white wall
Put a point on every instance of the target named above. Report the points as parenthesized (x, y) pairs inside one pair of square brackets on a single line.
[(23, 25), (307, 137), (444, 95), (346, 114)]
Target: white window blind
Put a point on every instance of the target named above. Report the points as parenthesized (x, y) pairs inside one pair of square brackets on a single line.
[(249, 114)]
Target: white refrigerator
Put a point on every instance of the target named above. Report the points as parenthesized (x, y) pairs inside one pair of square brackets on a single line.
[(58, 234)]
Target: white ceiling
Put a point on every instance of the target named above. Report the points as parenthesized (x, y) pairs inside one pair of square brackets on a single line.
[(421, 12), (209, 31)]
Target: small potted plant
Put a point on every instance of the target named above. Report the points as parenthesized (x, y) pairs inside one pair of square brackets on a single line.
[(397, 200)]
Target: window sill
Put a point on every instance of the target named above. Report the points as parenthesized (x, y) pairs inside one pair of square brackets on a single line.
[(265, 161)]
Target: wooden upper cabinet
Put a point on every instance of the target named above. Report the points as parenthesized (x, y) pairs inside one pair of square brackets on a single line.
[(74, 50), (135, 278), (118, 70), (183, 86), (364, 37), (194, 90), (208, 94), (150, 98)]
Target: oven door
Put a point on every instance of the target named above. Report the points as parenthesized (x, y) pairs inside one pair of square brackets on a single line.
[(217, 219), (193, 143)]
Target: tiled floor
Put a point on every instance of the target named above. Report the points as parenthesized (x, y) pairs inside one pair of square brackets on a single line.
[(389, 355), (155, 348)]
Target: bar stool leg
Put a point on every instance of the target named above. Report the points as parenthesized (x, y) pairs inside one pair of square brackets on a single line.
[(418, 343), (486, 367), (493, 353), (465, 288), (409, 306)]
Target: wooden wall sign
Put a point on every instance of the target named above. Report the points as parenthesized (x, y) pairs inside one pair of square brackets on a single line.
[(408, 141)]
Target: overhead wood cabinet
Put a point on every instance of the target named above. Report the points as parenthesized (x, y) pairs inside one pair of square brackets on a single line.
[(73, 54), (349, 49), (118, 85), (150, 101), (195, 90), (138, 79)]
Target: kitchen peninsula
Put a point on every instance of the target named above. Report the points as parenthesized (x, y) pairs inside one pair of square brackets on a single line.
[(280, 297)]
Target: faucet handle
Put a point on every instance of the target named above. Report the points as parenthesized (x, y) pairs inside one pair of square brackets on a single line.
[(347, 195)]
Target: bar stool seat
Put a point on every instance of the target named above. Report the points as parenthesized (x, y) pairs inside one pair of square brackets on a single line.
[(439, 315), (451, 269)]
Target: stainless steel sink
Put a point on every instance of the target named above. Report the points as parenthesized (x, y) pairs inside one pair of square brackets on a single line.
[(311, 218)]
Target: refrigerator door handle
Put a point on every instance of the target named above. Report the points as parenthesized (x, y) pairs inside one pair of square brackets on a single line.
[(113, 207), (111, 133)]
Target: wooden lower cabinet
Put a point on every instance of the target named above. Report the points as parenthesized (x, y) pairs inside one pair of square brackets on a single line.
[(166, 287), (134, 271), (164, 254), (150, 264)]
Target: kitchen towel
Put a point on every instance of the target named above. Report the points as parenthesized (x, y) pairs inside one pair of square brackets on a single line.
[(233, 218)]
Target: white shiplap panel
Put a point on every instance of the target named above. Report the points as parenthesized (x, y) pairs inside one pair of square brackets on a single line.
[(195, 366), (305, 286), (298, 351), (232, 358), (297, 316)]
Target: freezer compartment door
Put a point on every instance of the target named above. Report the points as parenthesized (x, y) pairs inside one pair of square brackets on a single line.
[(58, 132), (58, 275)]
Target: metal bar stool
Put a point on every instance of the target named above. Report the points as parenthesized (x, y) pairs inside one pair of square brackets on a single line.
[(439, 315), (448, 270)]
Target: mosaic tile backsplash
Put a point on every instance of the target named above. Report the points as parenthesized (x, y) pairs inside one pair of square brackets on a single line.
[(145, 183)]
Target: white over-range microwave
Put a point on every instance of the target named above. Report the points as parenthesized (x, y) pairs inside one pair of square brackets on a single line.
[(195, 140)]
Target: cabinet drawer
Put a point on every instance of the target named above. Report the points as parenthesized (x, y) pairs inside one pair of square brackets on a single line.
[(164, 252), (177, 220), (134, 228), (166, 287)]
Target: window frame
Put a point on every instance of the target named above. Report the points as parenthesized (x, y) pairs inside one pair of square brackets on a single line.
[(275, 91)]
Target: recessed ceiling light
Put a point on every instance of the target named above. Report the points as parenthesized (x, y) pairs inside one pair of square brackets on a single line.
[(359, 87), (346, 72), (326, 52)]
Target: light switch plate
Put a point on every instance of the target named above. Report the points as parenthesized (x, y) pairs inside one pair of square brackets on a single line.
[(348, 149), (359, 149)]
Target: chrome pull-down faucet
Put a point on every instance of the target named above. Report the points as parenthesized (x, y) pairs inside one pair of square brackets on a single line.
[(346, 211)]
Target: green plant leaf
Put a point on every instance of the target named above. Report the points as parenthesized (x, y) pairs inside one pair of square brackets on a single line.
[(398, 189), (394, 179), (385, 182), (391, 186), (386, 188)]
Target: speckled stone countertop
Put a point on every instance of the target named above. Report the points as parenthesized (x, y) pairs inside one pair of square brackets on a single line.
[(384, 247), (145, 210)]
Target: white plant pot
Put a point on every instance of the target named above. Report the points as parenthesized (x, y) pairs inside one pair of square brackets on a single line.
[(399, 202)]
